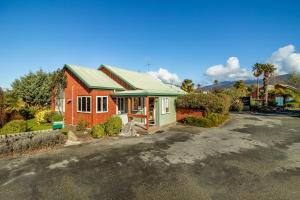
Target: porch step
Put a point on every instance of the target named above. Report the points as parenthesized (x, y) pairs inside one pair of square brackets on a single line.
[(129, 130)]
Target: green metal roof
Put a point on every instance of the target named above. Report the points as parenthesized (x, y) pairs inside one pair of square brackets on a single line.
[(146, 93), (143, 82), (93, 78)]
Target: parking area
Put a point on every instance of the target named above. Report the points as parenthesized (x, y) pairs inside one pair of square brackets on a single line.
[(249, 157)]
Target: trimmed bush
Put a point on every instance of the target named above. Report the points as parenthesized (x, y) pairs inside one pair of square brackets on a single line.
[(81, 125), (211, 120), (113, 125), (219, 103), (98, 131), (15, 126)]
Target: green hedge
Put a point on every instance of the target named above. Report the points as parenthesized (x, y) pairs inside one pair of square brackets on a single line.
[(15, 126), (98, 131), (112, 126), (210, 103), (211, 120), (292, 105)]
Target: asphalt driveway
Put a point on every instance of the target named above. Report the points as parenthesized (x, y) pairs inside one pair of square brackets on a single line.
[(250, 157)]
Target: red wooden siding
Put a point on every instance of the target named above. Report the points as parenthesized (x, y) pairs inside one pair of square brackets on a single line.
[(181, 113), (76, 88)]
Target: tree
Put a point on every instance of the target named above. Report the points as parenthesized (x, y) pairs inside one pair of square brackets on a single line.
[(187, 85), (294, 80), (58, 84), (216, 82), (267, 70), (241, 88), (241, 85), (35, 89)]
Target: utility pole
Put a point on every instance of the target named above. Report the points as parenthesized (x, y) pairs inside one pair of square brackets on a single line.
[(148, 64)]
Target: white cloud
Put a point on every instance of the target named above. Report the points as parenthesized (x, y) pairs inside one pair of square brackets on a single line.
[(286, 59), (165, 76), (231, 70)]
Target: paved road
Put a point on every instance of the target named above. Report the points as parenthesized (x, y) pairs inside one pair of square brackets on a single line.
[(250, 157)]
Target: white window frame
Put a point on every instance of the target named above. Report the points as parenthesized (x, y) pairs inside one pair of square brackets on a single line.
[(165, 103), (101, 104), (80, 111)]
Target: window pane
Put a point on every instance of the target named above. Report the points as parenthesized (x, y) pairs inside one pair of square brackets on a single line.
[(163, 111), (104, 103), (88, 104), (79, 104), (99, 103), (167, 105), (83, 104)]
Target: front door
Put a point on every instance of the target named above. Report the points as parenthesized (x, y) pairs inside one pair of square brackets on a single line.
[(152, 111)]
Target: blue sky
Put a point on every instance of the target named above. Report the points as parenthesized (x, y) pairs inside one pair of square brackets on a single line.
[(183, 37)]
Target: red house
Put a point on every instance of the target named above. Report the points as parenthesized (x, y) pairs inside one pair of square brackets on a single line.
[(94, 95)]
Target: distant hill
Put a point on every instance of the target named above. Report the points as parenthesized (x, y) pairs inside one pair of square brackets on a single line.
[(276, 79)]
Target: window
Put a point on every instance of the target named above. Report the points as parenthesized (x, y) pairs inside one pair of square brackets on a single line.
[(121, 105), (83, 104), (165, 106), (137, 103), (102, 104)]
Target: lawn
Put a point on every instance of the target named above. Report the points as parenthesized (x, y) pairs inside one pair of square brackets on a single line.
[(34, 126)]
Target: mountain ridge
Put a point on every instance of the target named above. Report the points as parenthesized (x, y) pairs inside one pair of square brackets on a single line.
[(227, 84)]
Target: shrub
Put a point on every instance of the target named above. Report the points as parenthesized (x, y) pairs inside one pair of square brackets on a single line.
[(211, 120), (64, 131), (81, 125), (28, 112), (29, 141), (98, 131), (217, 103), (292, 105), (57, 117), (272, 102), (237, 105), (15, 126), (113, 125), (43, 116)]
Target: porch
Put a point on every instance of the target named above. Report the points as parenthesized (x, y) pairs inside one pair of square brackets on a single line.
[(142, 110)]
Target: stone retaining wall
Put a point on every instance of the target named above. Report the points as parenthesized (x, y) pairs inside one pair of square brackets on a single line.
[(20, 142)]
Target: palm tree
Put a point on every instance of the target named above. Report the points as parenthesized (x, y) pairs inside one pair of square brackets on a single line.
[(187, 85), (267, 70), (257, 83), (216, 82)]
